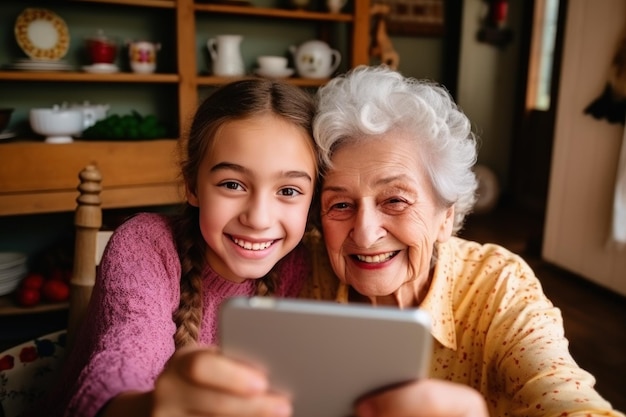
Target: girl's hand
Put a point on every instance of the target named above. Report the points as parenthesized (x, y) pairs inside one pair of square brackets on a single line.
[(424, 398), (202, 382)]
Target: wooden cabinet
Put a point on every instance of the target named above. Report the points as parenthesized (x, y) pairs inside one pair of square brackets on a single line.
[(37, 177)]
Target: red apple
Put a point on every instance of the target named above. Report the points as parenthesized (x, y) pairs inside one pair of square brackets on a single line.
[(33, 281), (55, 291), (28, 297)]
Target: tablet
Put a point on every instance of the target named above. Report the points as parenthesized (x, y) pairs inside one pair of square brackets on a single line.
[(326, 355)]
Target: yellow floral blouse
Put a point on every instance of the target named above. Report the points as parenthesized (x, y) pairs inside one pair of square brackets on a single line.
[(494, 330)]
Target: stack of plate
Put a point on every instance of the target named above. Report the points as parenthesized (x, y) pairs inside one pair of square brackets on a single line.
[(40, 65), (12, 269)]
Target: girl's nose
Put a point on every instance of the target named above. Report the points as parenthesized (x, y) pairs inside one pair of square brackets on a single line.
[(258, 213), (368, 227)]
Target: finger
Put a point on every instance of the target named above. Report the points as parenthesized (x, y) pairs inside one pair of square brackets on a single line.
[(428, 397), (218, 403), (173, 398), (208, 368)]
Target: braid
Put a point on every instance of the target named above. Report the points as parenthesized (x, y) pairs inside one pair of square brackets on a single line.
[(191, 251), (267, 285)]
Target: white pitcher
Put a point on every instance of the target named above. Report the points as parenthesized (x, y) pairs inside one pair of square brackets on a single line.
[(226, 55)]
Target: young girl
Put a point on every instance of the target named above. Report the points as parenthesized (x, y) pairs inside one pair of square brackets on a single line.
[(250, 172)]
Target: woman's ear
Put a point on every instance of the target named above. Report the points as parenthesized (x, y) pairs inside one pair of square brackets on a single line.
[(446, 226)]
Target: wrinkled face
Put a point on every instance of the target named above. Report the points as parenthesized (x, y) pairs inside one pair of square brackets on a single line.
[(254, 189), (381, 218)]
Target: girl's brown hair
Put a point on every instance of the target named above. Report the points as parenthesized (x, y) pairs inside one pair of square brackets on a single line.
[(235, 101)]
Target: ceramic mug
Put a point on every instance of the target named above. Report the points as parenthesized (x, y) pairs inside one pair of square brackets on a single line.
[(142, 56), (335, 6), (101, 49)]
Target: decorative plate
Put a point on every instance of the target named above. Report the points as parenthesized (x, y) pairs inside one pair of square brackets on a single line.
[(42, 34), (28, 370)]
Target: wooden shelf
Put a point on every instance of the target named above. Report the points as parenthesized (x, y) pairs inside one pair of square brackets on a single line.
[(8, 307), (169, 4), (275, 13), (37, 177), (210, 80), (120, 77), (136, 173)]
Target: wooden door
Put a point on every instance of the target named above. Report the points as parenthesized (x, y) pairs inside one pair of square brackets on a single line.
[(533, 138)]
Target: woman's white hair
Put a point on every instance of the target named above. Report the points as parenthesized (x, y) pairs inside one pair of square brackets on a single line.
[(368, 102)]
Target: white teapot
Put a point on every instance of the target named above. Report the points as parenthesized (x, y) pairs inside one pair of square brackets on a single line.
[(315, 59)]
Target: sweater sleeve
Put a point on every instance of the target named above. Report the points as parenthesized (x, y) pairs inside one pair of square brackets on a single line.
[(127, 336), (527, 349)]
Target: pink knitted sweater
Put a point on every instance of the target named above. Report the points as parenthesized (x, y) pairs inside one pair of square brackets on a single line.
[(128, 333)]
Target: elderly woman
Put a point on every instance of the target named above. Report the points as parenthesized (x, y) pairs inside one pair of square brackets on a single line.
[(398, 182)]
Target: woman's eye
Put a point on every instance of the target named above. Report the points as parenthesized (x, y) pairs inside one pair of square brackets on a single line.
[(397, 204), (338, 211), (289, 192)]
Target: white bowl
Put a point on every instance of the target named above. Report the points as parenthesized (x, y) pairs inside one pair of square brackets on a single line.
[(57, 124)]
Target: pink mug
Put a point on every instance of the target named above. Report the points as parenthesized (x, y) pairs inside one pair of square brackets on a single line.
[(142, 56)]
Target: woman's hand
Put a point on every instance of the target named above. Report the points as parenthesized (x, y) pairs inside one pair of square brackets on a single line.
[(424, 398), (201, 382)]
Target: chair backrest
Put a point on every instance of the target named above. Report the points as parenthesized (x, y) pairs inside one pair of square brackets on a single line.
[(26, 378), (89, 245)]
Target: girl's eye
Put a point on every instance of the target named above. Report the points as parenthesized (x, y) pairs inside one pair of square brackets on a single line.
[(289, 192), (231, 185)]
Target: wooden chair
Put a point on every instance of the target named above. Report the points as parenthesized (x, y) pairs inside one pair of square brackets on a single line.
[(89, 245), (29, 369)]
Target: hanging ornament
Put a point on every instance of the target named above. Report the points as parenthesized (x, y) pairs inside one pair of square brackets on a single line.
[(611, 104), (494, 28)]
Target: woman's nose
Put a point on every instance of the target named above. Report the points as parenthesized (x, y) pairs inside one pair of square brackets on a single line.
[(368, 227), (258, 213)]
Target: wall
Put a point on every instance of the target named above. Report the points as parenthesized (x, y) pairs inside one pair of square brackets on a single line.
[(420, 57), (487, 84), (586, 150)]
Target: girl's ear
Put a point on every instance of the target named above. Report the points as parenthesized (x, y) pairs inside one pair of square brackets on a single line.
[(192, 199), (445, 229)]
